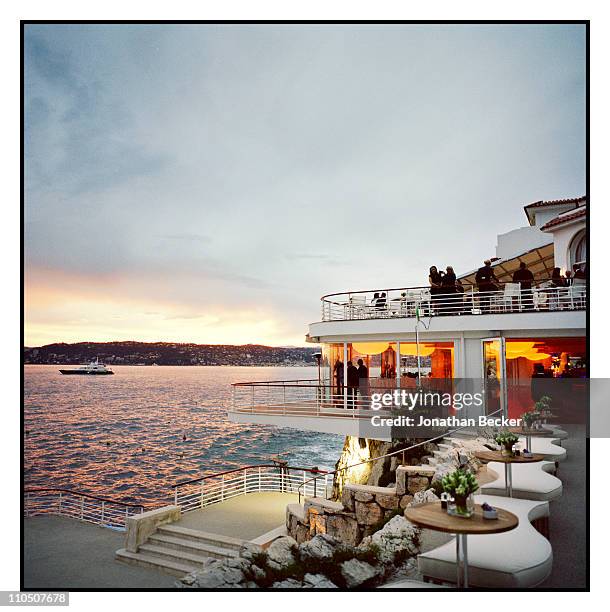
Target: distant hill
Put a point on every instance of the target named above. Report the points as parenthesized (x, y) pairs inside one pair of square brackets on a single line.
[(169, 353)]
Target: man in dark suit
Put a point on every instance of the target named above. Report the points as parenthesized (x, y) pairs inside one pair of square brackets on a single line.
[(486, 281), (525, 278), (353, 382)]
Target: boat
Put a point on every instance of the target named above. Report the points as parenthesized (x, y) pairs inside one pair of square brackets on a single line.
[(94, 368)]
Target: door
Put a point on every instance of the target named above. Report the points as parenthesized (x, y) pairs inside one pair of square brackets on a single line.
[(494, 375)]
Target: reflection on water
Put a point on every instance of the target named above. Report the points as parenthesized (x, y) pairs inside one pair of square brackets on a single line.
[(132, 435)]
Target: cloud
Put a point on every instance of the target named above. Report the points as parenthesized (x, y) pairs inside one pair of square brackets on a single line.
[(266, 165)]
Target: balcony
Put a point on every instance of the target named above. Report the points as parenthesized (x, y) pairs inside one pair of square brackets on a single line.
[(414, 302)]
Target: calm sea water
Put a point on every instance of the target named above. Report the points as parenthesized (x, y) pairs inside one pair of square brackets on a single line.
[(122, 435)]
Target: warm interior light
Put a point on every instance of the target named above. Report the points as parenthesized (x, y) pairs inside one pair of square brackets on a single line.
[(410, 348), (518, 349), (370, 348)]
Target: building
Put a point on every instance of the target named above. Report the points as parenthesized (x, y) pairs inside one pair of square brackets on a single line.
[(503, 333)]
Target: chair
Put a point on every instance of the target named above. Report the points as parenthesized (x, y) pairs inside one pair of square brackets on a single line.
[(512, 296), (530, 481)]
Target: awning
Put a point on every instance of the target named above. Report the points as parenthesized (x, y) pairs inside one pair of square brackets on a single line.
[(539, 261)]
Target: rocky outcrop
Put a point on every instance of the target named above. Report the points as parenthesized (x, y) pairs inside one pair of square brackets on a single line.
[(281, 552), (397, 540), (357, 573)]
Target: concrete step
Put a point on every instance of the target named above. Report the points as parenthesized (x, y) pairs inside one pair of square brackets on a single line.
[(202, 537), (189, 547), (173, 554), (162, 564)]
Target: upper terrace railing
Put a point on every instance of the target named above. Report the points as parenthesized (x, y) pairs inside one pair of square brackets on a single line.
[(81, 506), (215, 488), (309, 397), (409, 301)]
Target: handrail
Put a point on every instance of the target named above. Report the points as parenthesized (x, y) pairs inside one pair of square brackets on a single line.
[(402, 450), (247, 467), (73, 492), (266, 382)]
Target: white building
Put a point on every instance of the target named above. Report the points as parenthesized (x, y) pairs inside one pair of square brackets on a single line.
[(503, 334)]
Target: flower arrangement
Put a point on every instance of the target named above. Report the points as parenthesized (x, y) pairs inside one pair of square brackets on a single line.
[(507, 440), (529, 418), (460, 485)]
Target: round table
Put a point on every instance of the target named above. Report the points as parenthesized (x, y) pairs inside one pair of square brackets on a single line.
[(487, 456), (528, 433), (433, 516)]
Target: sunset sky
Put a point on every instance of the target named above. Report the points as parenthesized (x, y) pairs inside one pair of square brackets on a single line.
[(209, 183)]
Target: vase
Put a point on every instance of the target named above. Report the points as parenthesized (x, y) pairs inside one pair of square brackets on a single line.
[(461, 505), (507, 451)]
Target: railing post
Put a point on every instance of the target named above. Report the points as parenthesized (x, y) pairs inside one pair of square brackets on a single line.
[(325, 486), (175, 496), (222, 488), (259, 480), (59, 502), (126, 514), (82, 507), (201, 494), (245, 481), (103, 508)]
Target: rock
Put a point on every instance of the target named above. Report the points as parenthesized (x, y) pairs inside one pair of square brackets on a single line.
[(405, 500), (356, 573), (423, 497), (301, 533), (251, 585), (281, 552), (363, 496), (344, 528), (347, 499), (289, 583), (317, 523), (368, 514), (389, 502), (251, 551), (398, 535), (258, 573), (318, 581), (417, 483), (320, 547)]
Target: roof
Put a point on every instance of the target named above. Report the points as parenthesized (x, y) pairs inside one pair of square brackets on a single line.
[(539, 260), (571, 215), (576, 202)]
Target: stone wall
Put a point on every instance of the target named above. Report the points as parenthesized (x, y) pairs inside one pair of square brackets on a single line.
[(361, 510)]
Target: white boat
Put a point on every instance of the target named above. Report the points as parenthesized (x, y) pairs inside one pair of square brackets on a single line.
[(94, 368)]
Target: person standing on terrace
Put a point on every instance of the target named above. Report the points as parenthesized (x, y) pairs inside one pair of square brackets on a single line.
[(363, 382), (486, 281), (525, 279), (435, 279), (448, 284), (353, 382)]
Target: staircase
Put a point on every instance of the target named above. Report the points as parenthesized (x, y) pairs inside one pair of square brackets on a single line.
[(177, 550)]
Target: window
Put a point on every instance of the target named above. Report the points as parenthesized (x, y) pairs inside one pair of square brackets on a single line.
[(578, 249)]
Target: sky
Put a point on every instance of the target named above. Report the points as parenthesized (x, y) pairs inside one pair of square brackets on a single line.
[(208, 183)]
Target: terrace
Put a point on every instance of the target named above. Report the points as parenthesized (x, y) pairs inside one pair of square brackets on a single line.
[(419, 302)]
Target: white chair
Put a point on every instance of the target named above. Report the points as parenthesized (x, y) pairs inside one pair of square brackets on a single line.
[(512, 296), (521, 558)]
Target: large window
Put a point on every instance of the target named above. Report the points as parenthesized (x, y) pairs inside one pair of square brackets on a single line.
[(532, 362)]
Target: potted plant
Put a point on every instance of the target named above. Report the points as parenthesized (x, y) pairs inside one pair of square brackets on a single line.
[(507, 441), (529, 418), (460, 485)]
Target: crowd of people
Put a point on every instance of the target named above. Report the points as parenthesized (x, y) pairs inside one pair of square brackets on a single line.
[(445, 284)]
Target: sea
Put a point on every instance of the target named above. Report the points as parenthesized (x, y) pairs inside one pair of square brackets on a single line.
[(133, 435)]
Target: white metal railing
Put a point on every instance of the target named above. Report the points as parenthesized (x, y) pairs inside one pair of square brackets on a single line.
[(217, 488), (82, 506), (313, 399), (408, 301)]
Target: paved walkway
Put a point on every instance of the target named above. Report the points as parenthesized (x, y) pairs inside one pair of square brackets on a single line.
[(63, 553), (245, 517)]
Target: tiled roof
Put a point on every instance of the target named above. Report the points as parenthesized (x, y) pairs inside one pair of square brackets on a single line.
[(576, 201), (570, 216)]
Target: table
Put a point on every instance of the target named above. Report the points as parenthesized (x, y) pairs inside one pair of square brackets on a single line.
[(487, 456), (433, 516), (528, 433)]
